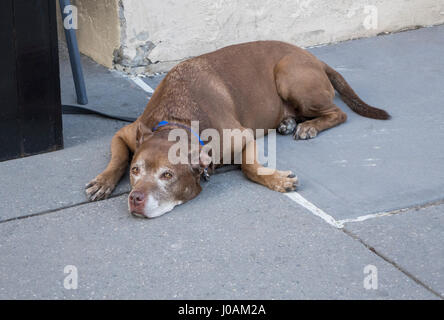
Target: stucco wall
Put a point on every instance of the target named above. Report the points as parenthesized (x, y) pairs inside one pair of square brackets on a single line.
[(168, 31), (98, 32), (154, 35)]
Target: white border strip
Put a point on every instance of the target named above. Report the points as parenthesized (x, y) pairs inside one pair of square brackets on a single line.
[(296, 197), (374, 215), (142, 84)]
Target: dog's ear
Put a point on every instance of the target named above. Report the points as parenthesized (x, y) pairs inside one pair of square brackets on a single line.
[(142, 132), (204, 158)]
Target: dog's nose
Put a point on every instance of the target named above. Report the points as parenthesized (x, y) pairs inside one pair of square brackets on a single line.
[(137, 198)]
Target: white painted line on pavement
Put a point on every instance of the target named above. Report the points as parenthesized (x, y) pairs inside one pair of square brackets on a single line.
[(373, 215), (142, 84), (296, 197)]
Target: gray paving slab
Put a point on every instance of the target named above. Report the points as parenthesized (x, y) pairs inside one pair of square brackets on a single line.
[(414, 240), (235, 241), (55, 180), (238, 239), (366, 166)]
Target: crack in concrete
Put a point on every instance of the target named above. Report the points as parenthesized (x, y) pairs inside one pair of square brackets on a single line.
[(393, 263), (41, 213), (221, 170)]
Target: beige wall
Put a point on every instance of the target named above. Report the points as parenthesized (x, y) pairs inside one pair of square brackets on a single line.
[(98, 32), (153, 35)]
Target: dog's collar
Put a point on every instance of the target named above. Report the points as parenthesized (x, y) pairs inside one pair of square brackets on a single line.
[(205, 173), (164, 123)]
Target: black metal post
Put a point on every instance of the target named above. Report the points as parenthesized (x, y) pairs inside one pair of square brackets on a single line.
[(74, 57)]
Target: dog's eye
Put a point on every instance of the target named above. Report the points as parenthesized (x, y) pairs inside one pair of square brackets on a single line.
[(135, 170), (166, 175)]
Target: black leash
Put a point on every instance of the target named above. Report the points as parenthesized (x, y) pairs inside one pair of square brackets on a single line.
[(70, 109)]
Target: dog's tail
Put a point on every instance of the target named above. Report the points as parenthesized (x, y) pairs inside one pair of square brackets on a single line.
[(351, 98)]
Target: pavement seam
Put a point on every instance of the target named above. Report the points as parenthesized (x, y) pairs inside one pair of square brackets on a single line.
[(393, 263), (41, 213), (218, 171)]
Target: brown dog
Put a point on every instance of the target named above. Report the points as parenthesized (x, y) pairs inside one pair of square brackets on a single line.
[(264, 84)]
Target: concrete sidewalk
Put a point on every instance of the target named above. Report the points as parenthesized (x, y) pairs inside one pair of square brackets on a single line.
[(371, 194)]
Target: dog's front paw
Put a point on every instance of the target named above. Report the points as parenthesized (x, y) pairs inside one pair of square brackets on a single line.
[(283, 181), (305, 131), (99, 188)]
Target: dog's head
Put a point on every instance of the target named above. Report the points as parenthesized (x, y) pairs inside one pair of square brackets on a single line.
[(158, 185)]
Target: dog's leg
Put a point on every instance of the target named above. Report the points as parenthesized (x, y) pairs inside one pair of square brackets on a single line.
[(305, 85), (102, 185), (282, 181), (328, 117)]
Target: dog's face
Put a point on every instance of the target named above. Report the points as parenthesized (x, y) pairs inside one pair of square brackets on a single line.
[(157, 184)]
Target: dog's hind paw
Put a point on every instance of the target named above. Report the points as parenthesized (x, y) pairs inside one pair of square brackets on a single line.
[(287, 126), (99, 188)]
